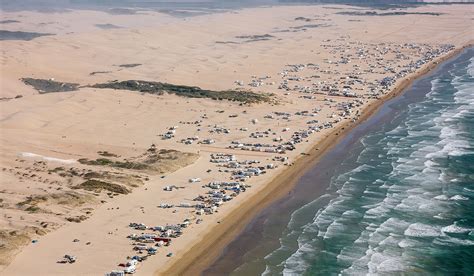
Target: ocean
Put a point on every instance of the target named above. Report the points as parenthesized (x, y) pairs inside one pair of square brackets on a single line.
[(398, 194)]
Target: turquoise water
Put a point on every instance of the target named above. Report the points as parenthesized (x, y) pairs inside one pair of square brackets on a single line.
[(407, 202)]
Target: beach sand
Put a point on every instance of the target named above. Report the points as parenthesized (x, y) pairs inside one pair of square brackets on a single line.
[(206, 51)]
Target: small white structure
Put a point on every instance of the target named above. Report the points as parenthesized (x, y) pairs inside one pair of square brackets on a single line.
[(130, 270), (115, 273)]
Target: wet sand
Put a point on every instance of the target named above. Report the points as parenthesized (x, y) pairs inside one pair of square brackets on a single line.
[(236, 235)]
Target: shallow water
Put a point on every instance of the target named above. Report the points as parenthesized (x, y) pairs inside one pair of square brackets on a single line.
[(400, 200)]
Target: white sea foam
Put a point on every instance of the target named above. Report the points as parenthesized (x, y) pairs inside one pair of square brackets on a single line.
[(435, 85), (458, 197), (310, 205), (296, 263), (351, 214), (393, 225), (422, 230), (390, 241), (470, 67), (442, 197), (376, 212), (267, 271), (334, 228), (468, 190), (406, 243), (453, 228), (391, 265)]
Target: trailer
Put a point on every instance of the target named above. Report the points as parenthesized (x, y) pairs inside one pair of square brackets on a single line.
[(163, 239)]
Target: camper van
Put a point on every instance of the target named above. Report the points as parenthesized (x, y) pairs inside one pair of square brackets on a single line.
[(130, 270)]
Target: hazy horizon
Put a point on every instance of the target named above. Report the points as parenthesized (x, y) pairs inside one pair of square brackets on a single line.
[(52, 5)]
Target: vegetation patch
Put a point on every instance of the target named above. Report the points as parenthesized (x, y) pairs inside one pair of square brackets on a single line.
[(129, 180), (76, 219), (373, 13), (301, 18), (17, 35), (10, 242), (33, 200), (130, 65), (50, 86), (67, 198), (114, 164), (31, 203), (90, 175), (252, 38), (309, 26), (99, 72), (159, 88), (167, 160), (9, 21), (107, 154), (107, 26), (71, 198), (98, 186), (56, 170), (33, 209)]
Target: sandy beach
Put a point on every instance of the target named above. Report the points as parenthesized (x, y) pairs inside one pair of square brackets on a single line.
[(78, 167)]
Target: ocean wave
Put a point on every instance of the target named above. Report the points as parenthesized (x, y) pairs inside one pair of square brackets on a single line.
[(390, 265), (454, 242), (294, 217), (458, 197), (376, 212), (406, 243), (296, 264), (442, 197), (422, 230), (453, 228), (470, 67), (267, 271), (436, 84), (335, 228)]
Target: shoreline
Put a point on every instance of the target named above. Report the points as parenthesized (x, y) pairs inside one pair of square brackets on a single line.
[(216, 239)]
